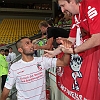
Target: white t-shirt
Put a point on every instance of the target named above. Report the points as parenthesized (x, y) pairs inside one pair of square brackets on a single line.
[(13, 56), (8, 59), (30, 78)]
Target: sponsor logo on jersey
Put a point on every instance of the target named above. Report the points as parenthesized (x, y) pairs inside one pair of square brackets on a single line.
[(39, 67), (92, 12)]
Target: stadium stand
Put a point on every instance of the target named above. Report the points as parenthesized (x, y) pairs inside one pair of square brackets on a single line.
[(13, 29)]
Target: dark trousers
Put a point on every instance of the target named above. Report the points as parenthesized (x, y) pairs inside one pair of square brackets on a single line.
[(3, 81)]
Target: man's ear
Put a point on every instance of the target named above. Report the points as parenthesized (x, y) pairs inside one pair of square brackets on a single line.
[(20, 50)]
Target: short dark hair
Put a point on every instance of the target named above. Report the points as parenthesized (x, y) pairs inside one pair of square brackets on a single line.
[(2, 50), (18, 43), (10, 48), (6, 50)]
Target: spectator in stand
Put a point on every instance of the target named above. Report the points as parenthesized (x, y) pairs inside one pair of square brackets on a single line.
[(12, 55), (65, 22), (3, 68), (40, 41), (68, 18), (52, 33)]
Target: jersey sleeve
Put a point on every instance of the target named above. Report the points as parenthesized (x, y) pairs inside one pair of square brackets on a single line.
[(49, 62), (93, 15), (10, 81)]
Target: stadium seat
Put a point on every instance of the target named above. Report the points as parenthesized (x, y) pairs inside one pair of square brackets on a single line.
[(13, 29)]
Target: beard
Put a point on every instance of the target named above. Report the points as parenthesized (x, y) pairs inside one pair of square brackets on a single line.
[(28, 53)]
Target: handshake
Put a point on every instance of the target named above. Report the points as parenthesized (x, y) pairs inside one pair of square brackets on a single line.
[(66, 47)]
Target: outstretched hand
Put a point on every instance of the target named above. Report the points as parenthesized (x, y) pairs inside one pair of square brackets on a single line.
[(66, 45), (36, 47), (65, 42), (49, 54), (66, 50)]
